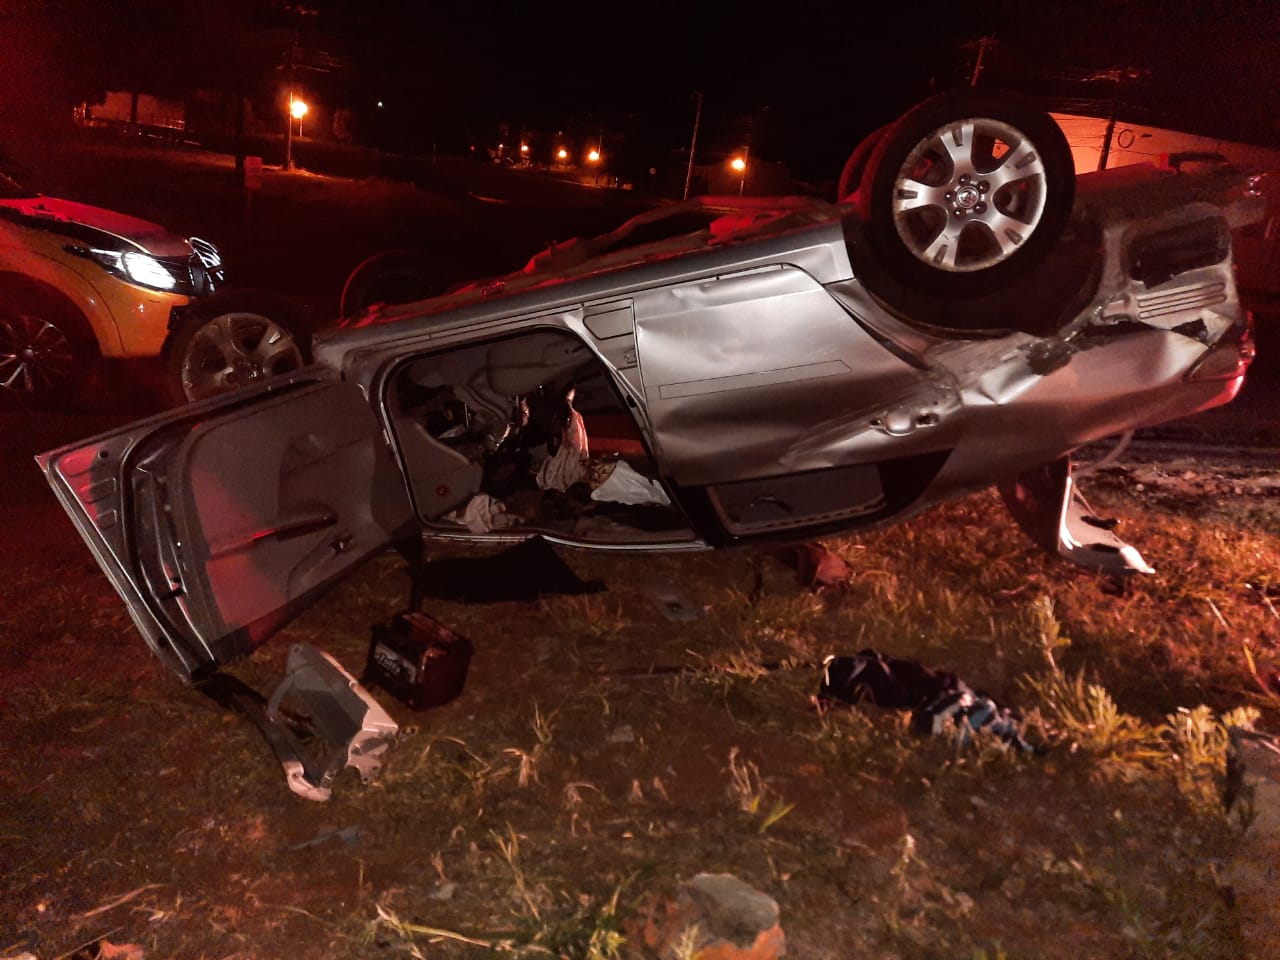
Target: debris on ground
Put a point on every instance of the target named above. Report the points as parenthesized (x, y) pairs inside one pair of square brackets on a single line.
[(816, 567), (99, 949), (348, 836), (418, 660), (670, 601), (716, 916), (940, 702)]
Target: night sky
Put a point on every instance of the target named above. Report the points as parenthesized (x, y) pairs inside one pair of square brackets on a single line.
[(804, 81)]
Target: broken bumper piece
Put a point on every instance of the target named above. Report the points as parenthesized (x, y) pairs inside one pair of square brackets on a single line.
[(325, 721), (1049, 508), (318, 722)]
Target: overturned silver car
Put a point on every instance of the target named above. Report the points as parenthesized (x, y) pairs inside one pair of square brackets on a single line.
[(724, 372)]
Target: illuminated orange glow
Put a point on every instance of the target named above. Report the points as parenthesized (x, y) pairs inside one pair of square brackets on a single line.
[(562, 154), (298, 108), (524, 148), (738, 164), (593, 156)]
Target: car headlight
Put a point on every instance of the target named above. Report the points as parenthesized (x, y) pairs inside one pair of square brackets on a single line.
[(140, 268)]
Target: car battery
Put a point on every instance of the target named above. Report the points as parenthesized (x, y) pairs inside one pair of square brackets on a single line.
[(417, 660)]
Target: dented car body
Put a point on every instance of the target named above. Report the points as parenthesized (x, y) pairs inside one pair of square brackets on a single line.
[(757, 368)]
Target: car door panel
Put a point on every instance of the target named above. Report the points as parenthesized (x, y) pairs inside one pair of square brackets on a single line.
[(741, 372), (217, 524)]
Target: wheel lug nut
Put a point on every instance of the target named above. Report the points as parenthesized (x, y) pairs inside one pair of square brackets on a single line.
[(951, 195), (983, 186), (980, 208), (964, 178)]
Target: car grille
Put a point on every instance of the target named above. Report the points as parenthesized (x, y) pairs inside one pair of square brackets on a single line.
[(199, 274), (207, 253)]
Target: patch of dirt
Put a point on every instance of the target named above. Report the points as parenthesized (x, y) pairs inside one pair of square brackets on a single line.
[(570, 784), (1230, 485)]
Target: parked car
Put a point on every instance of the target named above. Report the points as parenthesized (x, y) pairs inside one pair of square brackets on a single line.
[(79, 284), (724, 372)]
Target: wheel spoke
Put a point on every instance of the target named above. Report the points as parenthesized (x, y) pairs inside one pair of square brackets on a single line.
[(220, 334), (197, 374), (276, 343), (203, 373), (7, 378), (39, 331), (1021, 163), (1007, 232), (914, 195), (207, 383), (941, 251), (957, 142)]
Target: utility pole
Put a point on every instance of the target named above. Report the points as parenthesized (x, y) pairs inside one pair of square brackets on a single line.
[(1118, 76), (288, 110), (1107, 134), (983, 44), (697, 117)]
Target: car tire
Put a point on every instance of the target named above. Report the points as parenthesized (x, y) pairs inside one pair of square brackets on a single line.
[(856, 165), (964, 194), (231, 339), (48, 356), (395, 277)]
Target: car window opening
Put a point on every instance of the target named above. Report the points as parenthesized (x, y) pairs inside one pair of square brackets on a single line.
[(527, 434)]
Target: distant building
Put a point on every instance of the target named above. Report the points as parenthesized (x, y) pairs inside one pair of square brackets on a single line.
[(121, 108)]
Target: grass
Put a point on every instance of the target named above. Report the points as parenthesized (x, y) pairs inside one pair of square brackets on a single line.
[(570, 785), (753, 796)]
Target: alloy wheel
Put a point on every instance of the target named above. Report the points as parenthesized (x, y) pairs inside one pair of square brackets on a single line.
[(235, 349), (36, 358), (969, 195)]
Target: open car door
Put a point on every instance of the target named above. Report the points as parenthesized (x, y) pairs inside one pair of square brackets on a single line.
[(220, 521)]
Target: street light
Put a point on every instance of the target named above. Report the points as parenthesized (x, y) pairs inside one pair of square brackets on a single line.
[(298, 108), (296, 111), (739, 165)]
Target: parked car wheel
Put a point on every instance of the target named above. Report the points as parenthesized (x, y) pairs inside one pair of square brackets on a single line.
[(393, 277), (966, 192), (46, 352), (231, 339)]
